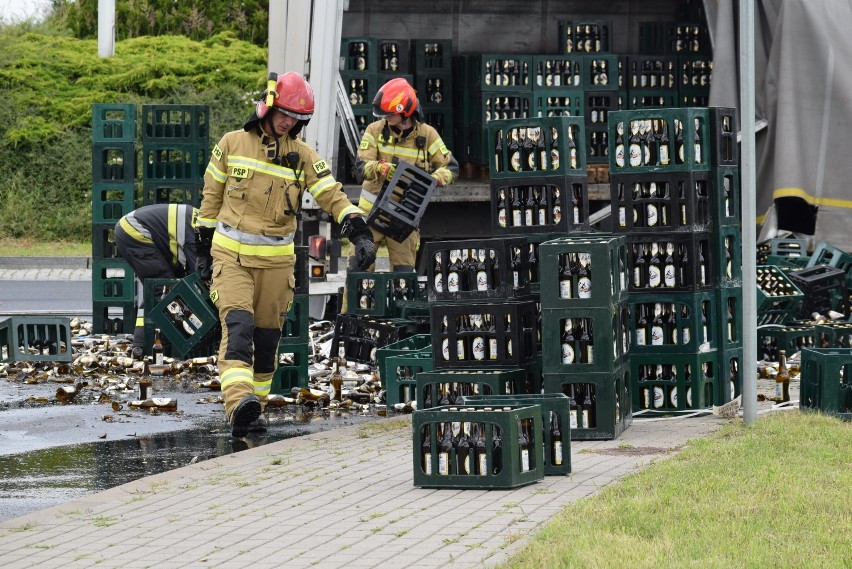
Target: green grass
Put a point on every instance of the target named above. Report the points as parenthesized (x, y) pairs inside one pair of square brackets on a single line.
[(29, 248), (776, 494)]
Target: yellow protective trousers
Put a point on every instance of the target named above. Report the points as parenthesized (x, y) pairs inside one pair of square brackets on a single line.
[(252, 304)]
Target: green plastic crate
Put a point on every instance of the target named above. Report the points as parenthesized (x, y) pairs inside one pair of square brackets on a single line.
[(827, 254), (729, 316), (376, 293), (431, 385), (113, 280), (789, 337), (686, 322), (667, 383), (599, 402), (501, 471), (420, 344), (679, 127), (602, 282), (296, 321), (113, 317), (826, 381), (833, 335), (199, 317), (551, 404), (606, 346), (113, 122), (176, 124), (112, 201), (35, 339), (730, 383), (399, 376), (528, 148), (779, 303), (290, 375)]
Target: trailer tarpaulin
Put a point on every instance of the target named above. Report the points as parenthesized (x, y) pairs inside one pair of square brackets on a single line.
[(803, 89)]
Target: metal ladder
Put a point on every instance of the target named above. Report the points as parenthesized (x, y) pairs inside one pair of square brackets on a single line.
[(347, 119)]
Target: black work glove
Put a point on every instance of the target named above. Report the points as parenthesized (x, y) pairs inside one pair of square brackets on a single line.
[(356, 230), (203, 259)]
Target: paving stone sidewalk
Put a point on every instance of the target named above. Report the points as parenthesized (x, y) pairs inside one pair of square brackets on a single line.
[(341, 498)]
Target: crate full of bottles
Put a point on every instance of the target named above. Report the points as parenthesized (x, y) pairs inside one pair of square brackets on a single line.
[(583, 271), (778, 299), (185, 314), (660, 140), (376, 293), (558, 103), (552, 205), (826, 381), (598, 403), (434, 388), (480, 334), (583, 340), (674, 382), (494, 72), (477, 269), (671, 262), (477, 446), (662, 201), (535, 147), (584, 36), (603, 72), (555, 423), (557, 72), (673, 323)]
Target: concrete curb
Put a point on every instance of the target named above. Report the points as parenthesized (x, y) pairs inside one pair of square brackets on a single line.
[(45, 263)]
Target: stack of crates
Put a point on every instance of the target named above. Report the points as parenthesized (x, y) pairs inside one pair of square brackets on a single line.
[(175, 153), (359, 70), (600, 80), (433, 81), (294, 352), (675, 195), (499, 86), (113, 196), (584, 321)]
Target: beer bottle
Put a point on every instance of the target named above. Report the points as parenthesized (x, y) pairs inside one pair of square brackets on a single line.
[(554, 149), (491, 332), (498, 152), (496, 450), (655, 272), (530, 150), (663, 148), (502, 215), (556, 210), (336, 381), (568, 340), (530, 213), (463, 450), (572, 149), (480, 461), (619, 144), (669, 268), (577, 195), (555, 440), (641, 326), (514, 152), (426, 451), (461, 338), (439, 273), (584, 276), (587, 342), (540, 208), (158, 348), (508, 331), (477, 345), (566, 277), (697, 141), (517, 208), (445, 448), (640, 272), (516, 267), (453, 272), (657, 332), (533, 264), (635, 144), (679, 150), (782, 378), (481, 271), (524, 445), (541, 149)]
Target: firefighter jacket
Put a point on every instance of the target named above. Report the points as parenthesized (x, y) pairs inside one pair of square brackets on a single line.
[(169, 228), (422, 147), (251, 195)]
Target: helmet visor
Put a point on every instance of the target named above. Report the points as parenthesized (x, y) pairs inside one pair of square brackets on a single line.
[(295, 115)]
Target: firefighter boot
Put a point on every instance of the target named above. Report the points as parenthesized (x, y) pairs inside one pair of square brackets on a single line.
[(244, 414), (259, 425)]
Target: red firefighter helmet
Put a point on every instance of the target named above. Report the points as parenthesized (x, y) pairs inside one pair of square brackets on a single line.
[(292, 96), (396, 97)]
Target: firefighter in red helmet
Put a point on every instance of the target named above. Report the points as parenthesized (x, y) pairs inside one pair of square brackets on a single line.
[(253, 189), (400, 134)]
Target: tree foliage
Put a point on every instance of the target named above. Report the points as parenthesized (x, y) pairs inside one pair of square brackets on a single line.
[(246, 19)]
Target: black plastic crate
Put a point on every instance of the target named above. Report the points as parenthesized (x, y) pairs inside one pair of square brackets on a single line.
[(550, 204), (402, 201), (671, 262), (597, 144), (479, 334), (357, 338), (477, 269), (661, 201), (652, 99), (824, 289)]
